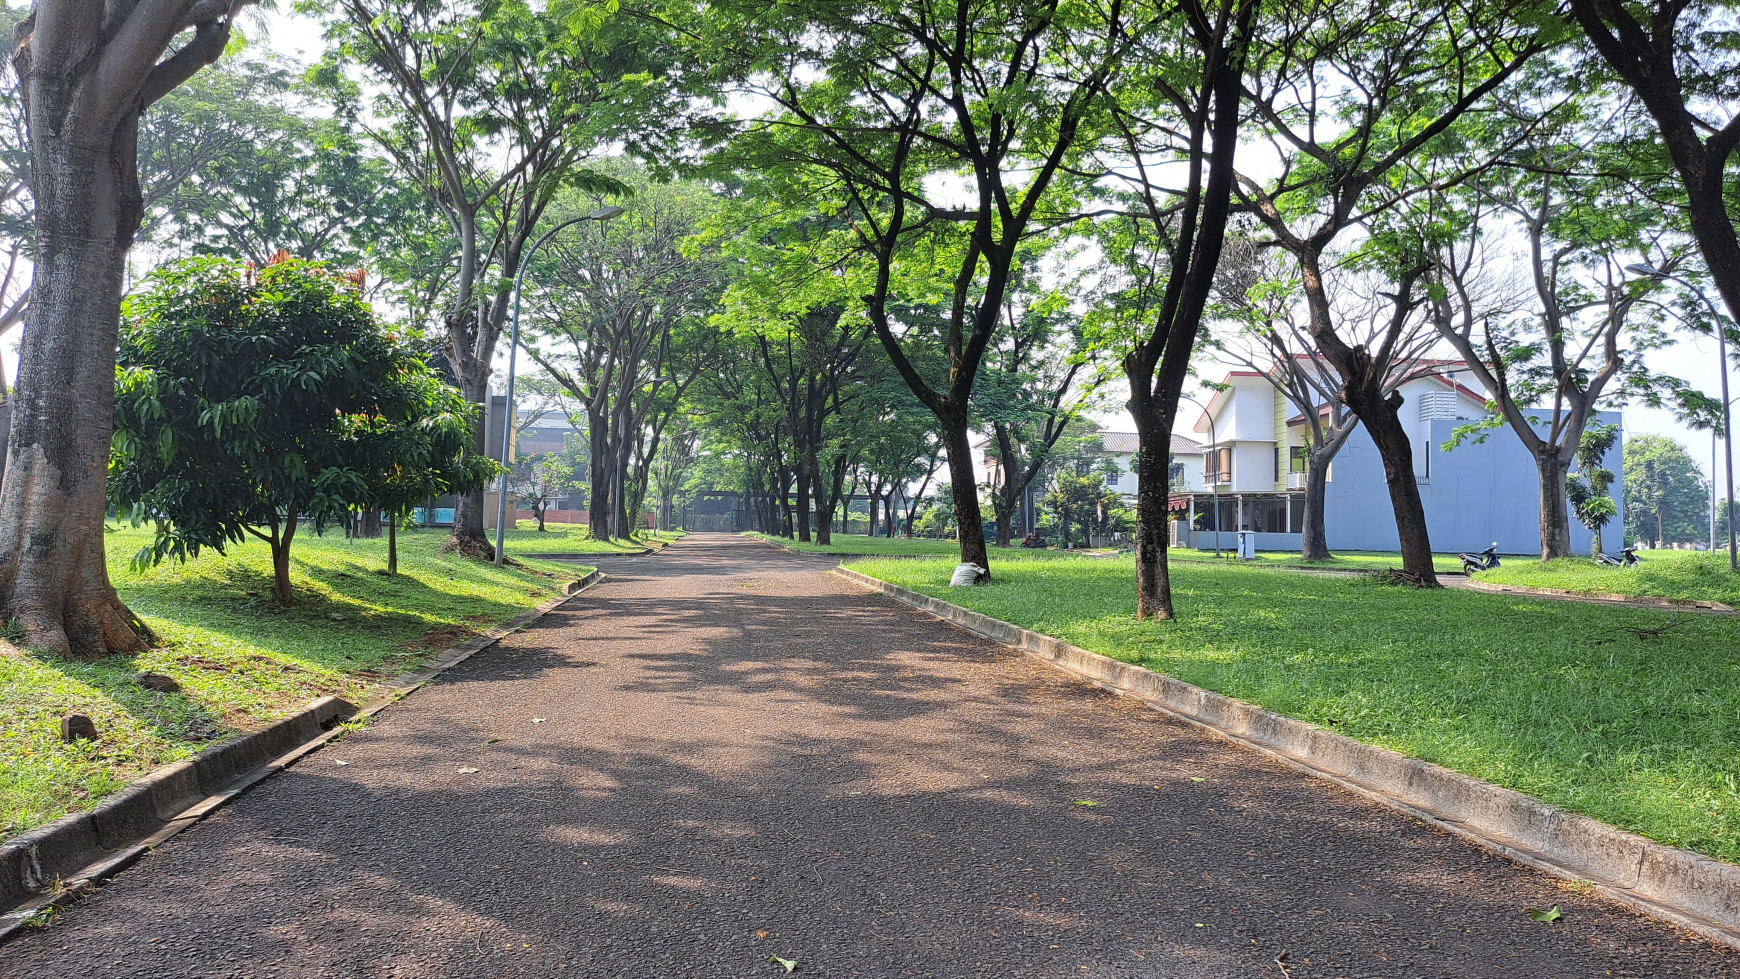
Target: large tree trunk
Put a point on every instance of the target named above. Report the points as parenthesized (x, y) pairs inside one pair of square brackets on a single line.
[(963, 484), (469, 532), (598, 507), (1555, 507), (1382, 418), (53, 576), (1153, 489), (368, 524), (1314, 537)]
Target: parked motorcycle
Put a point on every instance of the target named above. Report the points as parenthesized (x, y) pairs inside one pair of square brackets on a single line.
[(1627, 558), (1484, 561), (1034, 540)]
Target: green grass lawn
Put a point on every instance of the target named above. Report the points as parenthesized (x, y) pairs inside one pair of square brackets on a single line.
[(1341, 561), (525, 538), (1555, 699), (241, 660), (920, 547), (1697, 575)]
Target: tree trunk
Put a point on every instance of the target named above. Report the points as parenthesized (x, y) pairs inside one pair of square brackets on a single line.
[(598, 507), (1382, 418), (468, 515), (368, 524), (281, 559), (540, 513), (53, 576), (393, 544), (805, 478), (1153, 489), (1314, 537), (1555, 508), (963, 484)]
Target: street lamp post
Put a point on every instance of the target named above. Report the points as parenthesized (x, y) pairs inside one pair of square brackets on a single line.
[(507, 422), (1642, 268)]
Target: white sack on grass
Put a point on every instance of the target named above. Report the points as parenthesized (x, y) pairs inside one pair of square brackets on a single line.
[(968, 574)]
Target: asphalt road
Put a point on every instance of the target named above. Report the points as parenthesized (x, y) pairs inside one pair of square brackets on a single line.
[(724, 754)]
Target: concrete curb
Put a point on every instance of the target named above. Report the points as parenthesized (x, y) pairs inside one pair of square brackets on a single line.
[(1613, 598), (1685, 888), (57, 863)]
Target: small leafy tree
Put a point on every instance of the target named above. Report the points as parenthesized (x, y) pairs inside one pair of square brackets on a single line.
[(539, 480), (1587, 486), (248, 400), (424, 456)]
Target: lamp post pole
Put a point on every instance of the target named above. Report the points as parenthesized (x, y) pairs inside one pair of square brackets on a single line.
[(507, 421), (1727, 402)]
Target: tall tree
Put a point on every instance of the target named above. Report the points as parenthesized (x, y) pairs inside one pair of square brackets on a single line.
[(490, 108), (87, 72), (941, 127), (1577, 343), (1347, 93), (1180, 106), (1678, 56), (1666, 498)]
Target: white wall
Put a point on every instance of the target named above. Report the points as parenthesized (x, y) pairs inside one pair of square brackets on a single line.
[(1253, 467)]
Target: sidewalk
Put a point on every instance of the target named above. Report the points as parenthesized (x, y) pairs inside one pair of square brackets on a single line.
[(723, 754)]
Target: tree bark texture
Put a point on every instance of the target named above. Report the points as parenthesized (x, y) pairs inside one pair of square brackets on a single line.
[(964, 486), (85, 76), (1382, 418), (1153, 489), (468, 513), (1314, 536), (1555, 506)]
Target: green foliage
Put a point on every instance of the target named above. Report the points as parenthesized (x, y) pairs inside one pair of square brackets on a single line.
[(248, 398), (1667, 499), (1587, 486)]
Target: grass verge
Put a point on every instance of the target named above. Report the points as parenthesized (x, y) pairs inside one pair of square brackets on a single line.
[(240, 660), (859, 544), (1567, 702), (1693, 575)]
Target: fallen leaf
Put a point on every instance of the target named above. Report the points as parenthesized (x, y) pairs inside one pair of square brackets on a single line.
[(789, 965), (537, 720), (1551, 914), (466, 771), (761, 933), (337, 762), (492, 741), (1194, 778), (1086, 802)]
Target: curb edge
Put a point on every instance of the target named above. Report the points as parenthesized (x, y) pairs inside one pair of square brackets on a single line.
[(1687, 889), (56, 863)]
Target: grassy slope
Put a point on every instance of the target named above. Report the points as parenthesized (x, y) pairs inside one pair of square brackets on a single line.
[(1554, 699), (240, 659), (1342, 561), (1661, 574)]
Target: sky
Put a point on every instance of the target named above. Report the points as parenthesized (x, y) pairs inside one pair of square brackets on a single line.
[(1692, 358)]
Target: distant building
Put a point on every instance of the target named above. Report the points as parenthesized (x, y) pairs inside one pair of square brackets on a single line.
[(1253, 474)]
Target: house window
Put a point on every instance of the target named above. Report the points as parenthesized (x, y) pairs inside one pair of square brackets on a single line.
[(1217, 466), (1112, 478), (1296, 458)]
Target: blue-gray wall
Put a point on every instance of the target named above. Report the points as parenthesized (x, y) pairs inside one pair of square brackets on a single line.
[(1475, 494)]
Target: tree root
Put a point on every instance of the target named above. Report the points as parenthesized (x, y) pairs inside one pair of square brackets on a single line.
[(1396, 576)]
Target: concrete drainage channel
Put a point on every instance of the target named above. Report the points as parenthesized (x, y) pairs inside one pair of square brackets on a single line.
[(1685, 888), (54, 865)]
